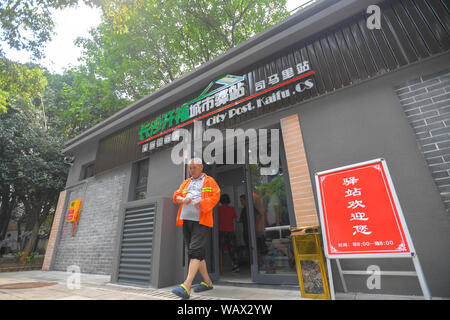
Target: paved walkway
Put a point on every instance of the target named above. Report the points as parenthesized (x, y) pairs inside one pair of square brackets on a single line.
[(97, 287)]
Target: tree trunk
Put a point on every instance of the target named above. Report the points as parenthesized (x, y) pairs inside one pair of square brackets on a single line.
[(4, 223), (31, 240), (19, 236), (5, 210)]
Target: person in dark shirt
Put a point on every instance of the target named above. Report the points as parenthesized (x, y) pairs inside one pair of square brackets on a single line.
[(4, 245), (227, 216)]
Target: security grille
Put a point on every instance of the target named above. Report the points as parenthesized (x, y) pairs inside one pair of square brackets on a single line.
[(136, 247)]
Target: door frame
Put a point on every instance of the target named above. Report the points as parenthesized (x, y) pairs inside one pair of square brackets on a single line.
[(256, 276), (212, 250), (214, 246)]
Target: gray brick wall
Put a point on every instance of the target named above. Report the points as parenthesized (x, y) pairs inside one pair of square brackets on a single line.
[(92, 247), (426, 102)]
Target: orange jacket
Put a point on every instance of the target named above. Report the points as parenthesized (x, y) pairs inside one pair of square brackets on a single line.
[(210, 197)]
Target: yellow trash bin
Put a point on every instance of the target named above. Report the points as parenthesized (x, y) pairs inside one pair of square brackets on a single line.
[(311, 270)]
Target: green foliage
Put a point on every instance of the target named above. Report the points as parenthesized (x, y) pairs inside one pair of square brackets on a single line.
[(20, 84), (18, 255), (47, 224), (31, 259), (31, 162), (30, 158), (265, 186), (77, 100), (140, 46), (143, 45), (27, 24)]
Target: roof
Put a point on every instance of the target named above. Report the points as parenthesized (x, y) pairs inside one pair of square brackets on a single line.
[(307, 22)]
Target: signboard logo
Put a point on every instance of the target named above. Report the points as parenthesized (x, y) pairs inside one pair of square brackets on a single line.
[(218, 93), (225, 98), (359, 213)]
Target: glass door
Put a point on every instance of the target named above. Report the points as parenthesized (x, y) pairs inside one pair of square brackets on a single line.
[(265, 214), (212, 256), (271, 216), (234, 258)]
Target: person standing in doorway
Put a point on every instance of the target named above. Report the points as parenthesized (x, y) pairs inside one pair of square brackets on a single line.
[(258, 214), (198, 195), (227, 217)]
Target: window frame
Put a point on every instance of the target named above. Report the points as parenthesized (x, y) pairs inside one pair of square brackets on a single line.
[(84, 170)]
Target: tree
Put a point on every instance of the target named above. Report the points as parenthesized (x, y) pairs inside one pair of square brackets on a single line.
[(32, 168), (20, 84), (42, 179), (143, 45), (77, 100), (22, 88), (9, 131), (140, 46), (28, 25)]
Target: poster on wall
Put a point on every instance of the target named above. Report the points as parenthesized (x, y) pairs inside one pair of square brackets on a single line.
[(360, 213)]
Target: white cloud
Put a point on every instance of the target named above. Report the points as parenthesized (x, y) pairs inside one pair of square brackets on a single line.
[(75, 22), (61, 52), (294, 4), (70, 24)]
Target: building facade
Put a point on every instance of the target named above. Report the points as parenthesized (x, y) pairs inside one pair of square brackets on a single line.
[(332, 91)]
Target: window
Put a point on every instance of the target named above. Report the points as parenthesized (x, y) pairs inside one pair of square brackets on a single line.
[(87, 171), (140, 189)]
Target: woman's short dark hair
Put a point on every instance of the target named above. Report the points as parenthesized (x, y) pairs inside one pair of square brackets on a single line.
[(224, 199)]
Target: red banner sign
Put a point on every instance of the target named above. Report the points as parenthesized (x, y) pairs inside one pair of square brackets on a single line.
[(360, 214)]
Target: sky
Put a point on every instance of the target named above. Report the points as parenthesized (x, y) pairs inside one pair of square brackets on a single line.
[(70, 24), (61, 51)]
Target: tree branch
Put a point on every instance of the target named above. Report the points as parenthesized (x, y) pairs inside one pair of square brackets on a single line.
[(209, 23)]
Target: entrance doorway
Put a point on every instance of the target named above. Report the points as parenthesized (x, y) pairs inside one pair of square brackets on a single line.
[(264, 216), (234, 247)]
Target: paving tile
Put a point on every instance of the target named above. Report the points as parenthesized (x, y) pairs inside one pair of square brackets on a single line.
[(7, 296), (115, 296), (98, 287), (91, 293), (4, 280), (135, 297), (74, 297), (28, 296)]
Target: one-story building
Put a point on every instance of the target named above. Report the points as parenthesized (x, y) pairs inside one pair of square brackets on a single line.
[(333, 89)]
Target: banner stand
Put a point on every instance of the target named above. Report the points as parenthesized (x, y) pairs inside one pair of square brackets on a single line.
[(418, 273), (374, 192)]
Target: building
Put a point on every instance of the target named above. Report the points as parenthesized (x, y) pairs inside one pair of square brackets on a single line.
[(338, 92)]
